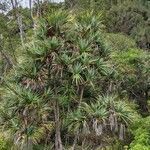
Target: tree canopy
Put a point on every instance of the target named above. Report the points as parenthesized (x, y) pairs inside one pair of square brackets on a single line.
[(75, 75)]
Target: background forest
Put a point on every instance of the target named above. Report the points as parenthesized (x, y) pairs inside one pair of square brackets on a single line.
[(75, 75)]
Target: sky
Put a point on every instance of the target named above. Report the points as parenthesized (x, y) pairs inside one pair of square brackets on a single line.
[(26, 2)]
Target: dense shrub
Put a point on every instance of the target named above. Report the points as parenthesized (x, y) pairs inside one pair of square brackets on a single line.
[(141, 132), (132, 18), (120, 41)]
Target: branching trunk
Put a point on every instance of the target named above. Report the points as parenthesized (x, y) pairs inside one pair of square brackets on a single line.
[(19, 20)]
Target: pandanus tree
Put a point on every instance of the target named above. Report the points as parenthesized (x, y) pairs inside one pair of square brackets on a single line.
[(57, 81)]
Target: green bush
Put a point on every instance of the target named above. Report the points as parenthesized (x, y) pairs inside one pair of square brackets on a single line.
[(141, 132), (139, 147), (120, 41), (42, 147), (131, 18), (4, 145)]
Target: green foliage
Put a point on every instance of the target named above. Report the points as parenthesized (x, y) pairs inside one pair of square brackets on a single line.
[(106, 113), (133, 70), (141, 132), (49, 63), (42, 147), (4, 142), (24, 106), (120, 42), (127, 58), (59, 88), (132, 18)]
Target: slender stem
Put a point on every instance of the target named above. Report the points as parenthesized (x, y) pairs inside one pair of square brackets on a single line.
[(81, 94), (75, 140), (58, 142)]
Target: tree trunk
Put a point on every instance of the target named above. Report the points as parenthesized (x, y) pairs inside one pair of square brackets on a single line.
[(19, 20), (81, 94), (31, 13), (142, 101), (70, 3), (38, 8), (75, 140), (8, 60), (11, 46), (58, 142), (30, 6)]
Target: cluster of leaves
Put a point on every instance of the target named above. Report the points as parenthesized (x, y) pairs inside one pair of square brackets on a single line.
[(102, 118), (24, 115)]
